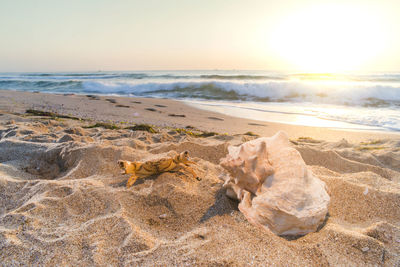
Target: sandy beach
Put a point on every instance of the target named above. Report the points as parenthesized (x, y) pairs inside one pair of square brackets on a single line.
[(168, 113), (64, 201)]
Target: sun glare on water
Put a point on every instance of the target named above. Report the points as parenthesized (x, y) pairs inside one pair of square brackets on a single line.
[(329, 38)]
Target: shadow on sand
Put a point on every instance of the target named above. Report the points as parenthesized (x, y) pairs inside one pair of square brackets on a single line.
[(222, 205)]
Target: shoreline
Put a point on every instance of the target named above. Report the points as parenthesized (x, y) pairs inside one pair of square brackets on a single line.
[(283, 117), (169, 113)]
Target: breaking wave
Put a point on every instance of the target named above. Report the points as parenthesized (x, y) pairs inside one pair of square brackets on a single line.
[(364, 94), (26, 85)]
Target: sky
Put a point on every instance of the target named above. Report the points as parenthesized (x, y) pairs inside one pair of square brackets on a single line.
[(298, 35)]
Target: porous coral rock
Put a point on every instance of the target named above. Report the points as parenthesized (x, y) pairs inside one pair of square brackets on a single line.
[(275, 189)]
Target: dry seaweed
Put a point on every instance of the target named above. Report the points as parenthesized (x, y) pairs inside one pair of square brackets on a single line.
[(53, 115), (195, 133), (142, 127), (104, 125)]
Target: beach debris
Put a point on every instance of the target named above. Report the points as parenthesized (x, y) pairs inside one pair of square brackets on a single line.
[(139, 169), (53, 115), (275, 189), (195, 132), (105, 125), (251, 134), (163, 216)]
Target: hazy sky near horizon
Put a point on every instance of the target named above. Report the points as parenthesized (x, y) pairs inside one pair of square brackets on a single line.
[(301, 35)]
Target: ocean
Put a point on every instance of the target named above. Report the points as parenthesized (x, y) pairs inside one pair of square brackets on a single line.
[(369, 101)]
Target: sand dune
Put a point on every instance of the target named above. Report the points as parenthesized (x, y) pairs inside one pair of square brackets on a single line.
[(63, 201)]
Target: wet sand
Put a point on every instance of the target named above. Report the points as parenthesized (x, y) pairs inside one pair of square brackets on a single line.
[(167, 112)]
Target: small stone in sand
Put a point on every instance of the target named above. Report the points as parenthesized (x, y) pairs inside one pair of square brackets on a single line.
[(365, 191), (163, 216)]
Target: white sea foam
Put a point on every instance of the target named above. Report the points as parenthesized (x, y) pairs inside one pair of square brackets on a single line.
[(310, 114), (349, 93), (366, 99)]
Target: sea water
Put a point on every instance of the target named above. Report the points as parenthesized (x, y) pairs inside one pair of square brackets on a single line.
[(354, 101)]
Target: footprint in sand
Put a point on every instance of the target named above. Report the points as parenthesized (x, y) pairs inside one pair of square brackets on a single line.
[(93, 97), (136, 102), (161, 106), (122, 106), (152, 109), (111, 100), (256, 124), (177, 115), (215, 118)]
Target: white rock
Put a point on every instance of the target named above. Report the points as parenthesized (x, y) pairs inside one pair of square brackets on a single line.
[(365, 191), (275, 189), (365, 249)]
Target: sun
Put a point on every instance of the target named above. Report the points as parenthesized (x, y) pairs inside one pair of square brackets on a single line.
[(328, 38)]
